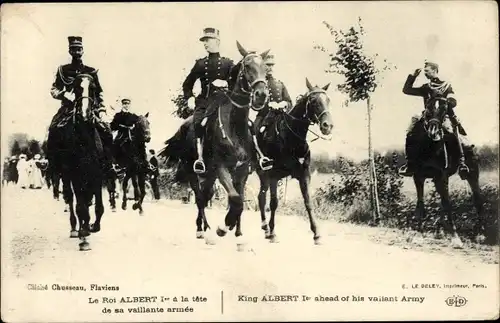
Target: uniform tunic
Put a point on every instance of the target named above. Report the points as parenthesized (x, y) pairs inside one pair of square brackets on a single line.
[(207, 70), (277, 93)]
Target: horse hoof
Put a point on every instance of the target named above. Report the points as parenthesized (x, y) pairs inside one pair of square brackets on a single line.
[(83, 233), (209, 238), (264, 226), (318, 241), (199, 235), (267, 234), (95, 227), (113, 209), (273, 238), (221, 232), (134, 206), (73, 234), (84, 246), (124, 206), (480, 238), (456, 243)]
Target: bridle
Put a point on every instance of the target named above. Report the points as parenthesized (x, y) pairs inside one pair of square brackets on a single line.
[(434, 120), (306, 117), (249, 91)]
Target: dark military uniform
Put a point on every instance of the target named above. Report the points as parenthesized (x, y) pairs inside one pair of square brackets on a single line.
[(122, 121), (63, 82), (436, 88), (277, 93), (207, 70)]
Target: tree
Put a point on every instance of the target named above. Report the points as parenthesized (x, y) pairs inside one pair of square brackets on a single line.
[(181, 108), (15, 149), (34, 147), (360, 81)]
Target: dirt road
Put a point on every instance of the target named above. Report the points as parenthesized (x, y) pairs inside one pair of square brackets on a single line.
[(158, 255)]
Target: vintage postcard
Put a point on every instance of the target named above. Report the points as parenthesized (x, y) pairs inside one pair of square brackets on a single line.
[(249, 161)]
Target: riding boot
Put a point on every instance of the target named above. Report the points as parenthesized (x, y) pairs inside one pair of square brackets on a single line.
[(265, 162), (408, 169), (199, 164)]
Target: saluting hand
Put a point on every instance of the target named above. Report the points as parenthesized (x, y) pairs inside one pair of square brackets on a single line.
[(417, 72)]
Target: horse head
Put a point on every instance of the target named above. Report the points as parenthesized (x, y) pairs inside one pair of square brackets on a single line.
[(142, 130), (251, 78), (314, 106), (434, 115), (83, 87)]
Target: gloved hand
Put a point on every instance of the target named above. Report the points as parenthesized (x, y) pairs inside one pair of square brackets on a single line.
[(191, 103), (70, 96), (273, 105), (219, 83), (282, 105)]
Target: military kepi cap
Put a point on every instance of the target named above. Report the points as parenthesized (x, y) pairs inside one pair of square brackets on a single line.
[(75, 41), (125, 101), (431, 64), (210, 33), (269, 59)]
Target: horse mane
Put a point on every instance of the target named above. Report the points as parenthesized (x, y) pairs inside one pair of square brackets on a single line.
[(233, 75)]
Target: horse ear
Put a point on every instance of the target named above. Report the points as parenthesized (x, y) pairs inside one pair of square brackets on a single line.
[(264, 54), (242, 50), (326, 87), (309, 86), (146, 115)]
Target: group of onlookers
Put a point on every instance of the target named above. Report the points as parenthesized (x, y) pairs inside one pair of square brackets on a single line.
[(24, 172)]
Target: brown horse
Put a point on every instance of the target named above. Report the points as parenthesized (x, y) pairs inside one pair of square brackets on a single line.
[(228, 144), (286, 144), (439, 156)]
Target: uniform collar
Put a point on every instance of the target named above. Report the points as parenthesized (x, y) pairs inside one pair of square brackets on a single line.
[(269, 77), (77, 63), (213, 55)]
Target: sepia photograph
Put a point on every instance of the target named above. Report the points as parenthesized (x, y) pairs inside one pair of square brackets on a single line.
[(249, 161)]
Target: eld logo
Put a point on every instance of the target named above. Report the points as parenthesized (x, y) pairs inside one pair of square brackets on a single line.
[(457, 301)]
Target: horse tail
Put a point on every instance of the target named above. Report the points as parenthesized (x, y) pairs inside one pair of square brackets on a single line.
[(175, 149)]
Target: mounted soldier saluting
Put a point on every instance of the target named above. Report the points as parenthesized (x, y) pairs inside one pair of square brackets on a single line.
[(279, 99), (213, 71), (434, 89), (62, 89), (123, 122)]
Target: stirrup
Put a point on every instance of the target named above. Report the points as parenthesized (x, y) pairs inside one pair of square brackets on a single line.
[(463, 170), (403, 171), (265, 163), (199, 166)]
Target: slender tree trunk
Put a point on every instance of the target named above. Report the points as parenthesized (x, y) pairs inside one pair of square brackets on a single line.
[(373, 175)]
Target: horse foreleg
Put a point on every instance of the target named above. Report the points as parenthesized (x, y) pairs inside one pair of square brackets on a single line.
[(442, 189), (304, 183), (479, 205), (264, 186), (99, 210), (111, 186), (239, 180), (141, 189), (273, 205), (420, 208), (200, 218), (235, 201), (124, 189)]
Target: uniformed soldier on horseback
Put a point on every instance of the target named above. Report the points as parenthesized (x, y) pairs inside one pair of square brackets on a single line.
[(213, 71), (435, 88), (279, 100), (62, 89), (123, 123)]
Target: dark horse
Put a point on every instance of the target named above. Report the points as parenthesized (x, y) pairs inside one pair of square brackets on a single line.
[(286, 144), (135, 162), (75, 151), (228, 145), (439, 156)]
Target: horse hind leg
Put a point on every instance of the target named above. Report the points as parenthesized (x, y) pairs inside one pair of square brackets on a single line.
[(124, 189), (273, 204), (478, 200), (442, 189), (304, 183), (99, 211), (264, 187), (111, 186)]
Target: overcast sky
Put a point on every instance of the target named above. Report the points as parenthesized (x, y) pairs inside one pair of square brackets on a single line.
[(146, 50)]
